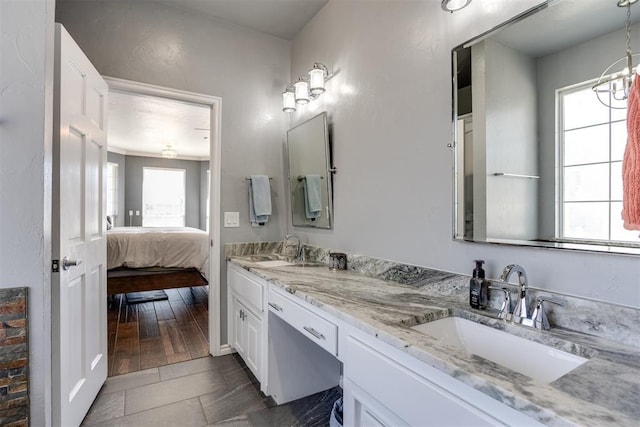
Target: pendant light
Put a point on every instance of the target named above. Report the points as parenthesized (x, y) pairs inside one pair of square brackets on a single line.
[(612, 88)]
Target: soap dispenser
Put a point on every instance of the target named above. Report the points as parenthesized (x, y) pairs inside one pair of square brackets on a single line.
[(478, 287)]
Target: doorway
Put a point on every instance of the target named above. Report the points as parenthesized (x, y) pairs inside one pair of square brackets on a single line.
[(179, 319)]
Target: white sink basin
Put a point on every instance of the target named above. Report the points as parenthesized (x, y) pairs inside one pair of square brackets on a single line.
[(273, 263), (538, 361)]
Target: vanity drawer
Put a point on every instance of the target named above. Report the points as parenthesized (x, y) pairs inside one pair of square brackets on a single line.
[(314, 327), (246, 285)]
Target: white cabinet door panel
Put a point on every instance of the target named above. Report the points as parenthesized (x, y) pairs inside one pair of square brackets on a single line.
[(253, 346)]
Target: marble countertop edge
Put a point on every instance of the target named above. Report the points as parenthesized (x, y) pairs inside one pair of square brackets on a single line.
[(543, 402)]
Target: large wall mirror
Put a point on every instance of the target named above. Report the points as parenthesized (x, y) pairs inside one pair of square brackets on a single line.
[(538, 156), (310, 173)]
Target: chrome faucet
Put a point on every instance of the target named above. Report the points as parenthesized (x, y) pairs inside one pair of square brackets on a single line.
[(287, 244), (521, 312)]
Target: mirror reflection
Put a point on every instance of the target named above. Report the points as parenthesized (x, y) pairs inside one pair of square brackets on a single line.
[(538, 155), (309, 177)]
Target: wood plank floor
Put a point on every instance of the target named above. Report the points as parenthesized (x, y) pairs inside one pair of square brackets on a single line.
[(151, 334)]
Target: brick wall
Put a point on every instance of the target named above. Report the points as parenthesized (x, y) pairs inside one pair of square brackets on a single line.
[(14, 358)]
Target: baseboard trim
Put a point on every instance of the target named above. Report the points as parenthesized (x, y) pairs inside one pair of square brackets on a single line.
[(225, 349)]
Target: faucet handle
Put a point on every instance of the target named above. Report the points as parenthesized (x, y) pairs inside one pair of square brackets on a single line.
[(539, 316), (505, 307), (540, 300)]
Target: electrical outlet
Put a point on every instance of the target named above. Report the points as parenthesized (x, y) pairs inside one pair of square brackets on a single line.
[(231, 219)]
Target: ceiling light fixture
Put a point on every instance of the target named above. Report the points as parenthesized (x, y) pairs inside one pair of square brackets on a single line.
[(306, 89), (453, 5), (612, 88), (169, 153)]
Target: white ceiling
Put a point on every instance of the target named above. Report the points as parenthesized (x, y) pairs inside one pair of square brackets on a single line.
[(280, 18), (566, 23), (143, 125)]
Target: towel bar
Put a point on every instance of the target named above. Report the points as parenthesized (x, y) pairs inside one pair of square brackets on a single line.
[(301, 177), (516, 175), (248, 178)]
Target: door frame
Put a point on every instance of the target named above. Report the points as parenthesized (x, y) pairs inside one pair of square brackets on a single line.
[(215, 150)]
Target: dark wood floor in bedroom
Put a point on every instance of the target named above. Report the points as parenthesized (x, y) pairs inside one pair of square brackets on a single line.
[(151, 334)]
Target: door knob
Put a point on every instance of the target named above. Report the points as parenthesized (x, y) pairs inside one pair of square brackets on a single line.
[(66, 263)]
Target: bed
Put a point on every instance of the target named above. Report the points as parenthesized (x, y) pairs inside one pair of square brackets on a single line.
[(151, 258)]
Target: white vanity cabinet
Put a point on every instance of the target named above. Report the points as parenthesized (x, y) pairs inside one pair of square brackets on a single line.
[(296, 349), (247, 321), (302, 348), (384, 386), (247, 337)]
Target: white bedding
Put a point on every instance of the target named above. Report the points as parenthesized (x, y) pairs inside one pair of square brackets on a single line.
[(139, 247)]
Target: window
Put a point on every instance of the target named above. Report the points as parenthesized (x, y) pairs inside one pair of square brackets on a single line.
[(112, 190), (163, 197), (592, 139)]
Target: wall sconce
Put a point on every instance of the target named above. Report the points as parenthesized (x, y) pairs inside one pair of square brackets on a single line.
[(169, 153), (453, 5), (306, 89)]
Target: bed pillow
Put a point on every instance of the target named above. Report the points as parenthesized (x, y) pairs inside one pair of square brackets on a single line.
[(109, 224)]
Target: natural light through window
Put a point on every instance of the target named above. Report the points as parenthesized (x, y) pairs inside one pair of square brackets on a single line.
[(163, 197), (112, 190), (592, 138)]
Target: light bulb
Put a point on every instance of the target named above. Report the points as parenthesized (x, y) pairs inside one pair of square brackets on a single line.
[(453, 5), (316, 80), (288, 100), (302, 92)]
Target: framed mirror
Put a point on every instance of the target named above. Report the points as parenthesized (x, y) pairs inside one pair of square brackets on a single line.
[(310, 173), (537, 154)]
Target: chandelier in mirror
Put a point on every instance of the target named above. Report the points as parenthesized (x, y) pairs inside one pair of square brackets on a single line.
[(613, 87)]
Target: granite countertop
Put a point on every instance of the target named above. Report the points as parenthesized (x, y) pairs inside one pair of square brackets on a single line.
[(604, 390)]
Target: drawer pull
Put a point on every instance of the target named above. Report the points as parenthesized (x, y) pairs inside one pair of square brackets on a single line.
[(313, 332), (276, 307)]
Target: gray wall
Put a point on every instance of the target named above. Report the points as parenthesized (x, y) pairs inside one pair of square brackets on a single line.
[(153, 43), (576, 64), (26, 100), (120, 160), (511, 143), (390, 109), (134, 166)]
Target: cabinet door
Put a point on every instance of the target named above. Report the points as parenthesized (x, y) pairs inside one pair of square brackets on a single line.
[(253, 337), (239, 340), (362, 410)]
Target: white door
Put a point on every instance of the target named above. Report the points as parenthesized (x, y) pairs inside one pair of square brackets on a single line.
[(79, 317)]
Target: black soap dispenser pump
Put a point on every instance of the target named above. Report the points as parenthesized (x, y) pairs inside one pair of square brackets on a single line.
[(476, 287)]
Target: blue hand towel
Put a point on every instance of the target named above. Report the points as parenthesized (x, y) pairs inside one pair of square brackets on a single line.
[(312, 197), (259, 199)]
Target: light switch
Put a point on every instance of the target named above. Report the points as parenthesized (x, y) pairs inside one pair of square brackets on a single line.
[(137, 213), (231, 219)]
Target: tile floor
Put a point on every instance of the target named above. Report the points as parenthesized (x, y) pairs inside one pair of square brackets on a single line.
[(202, 392)]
